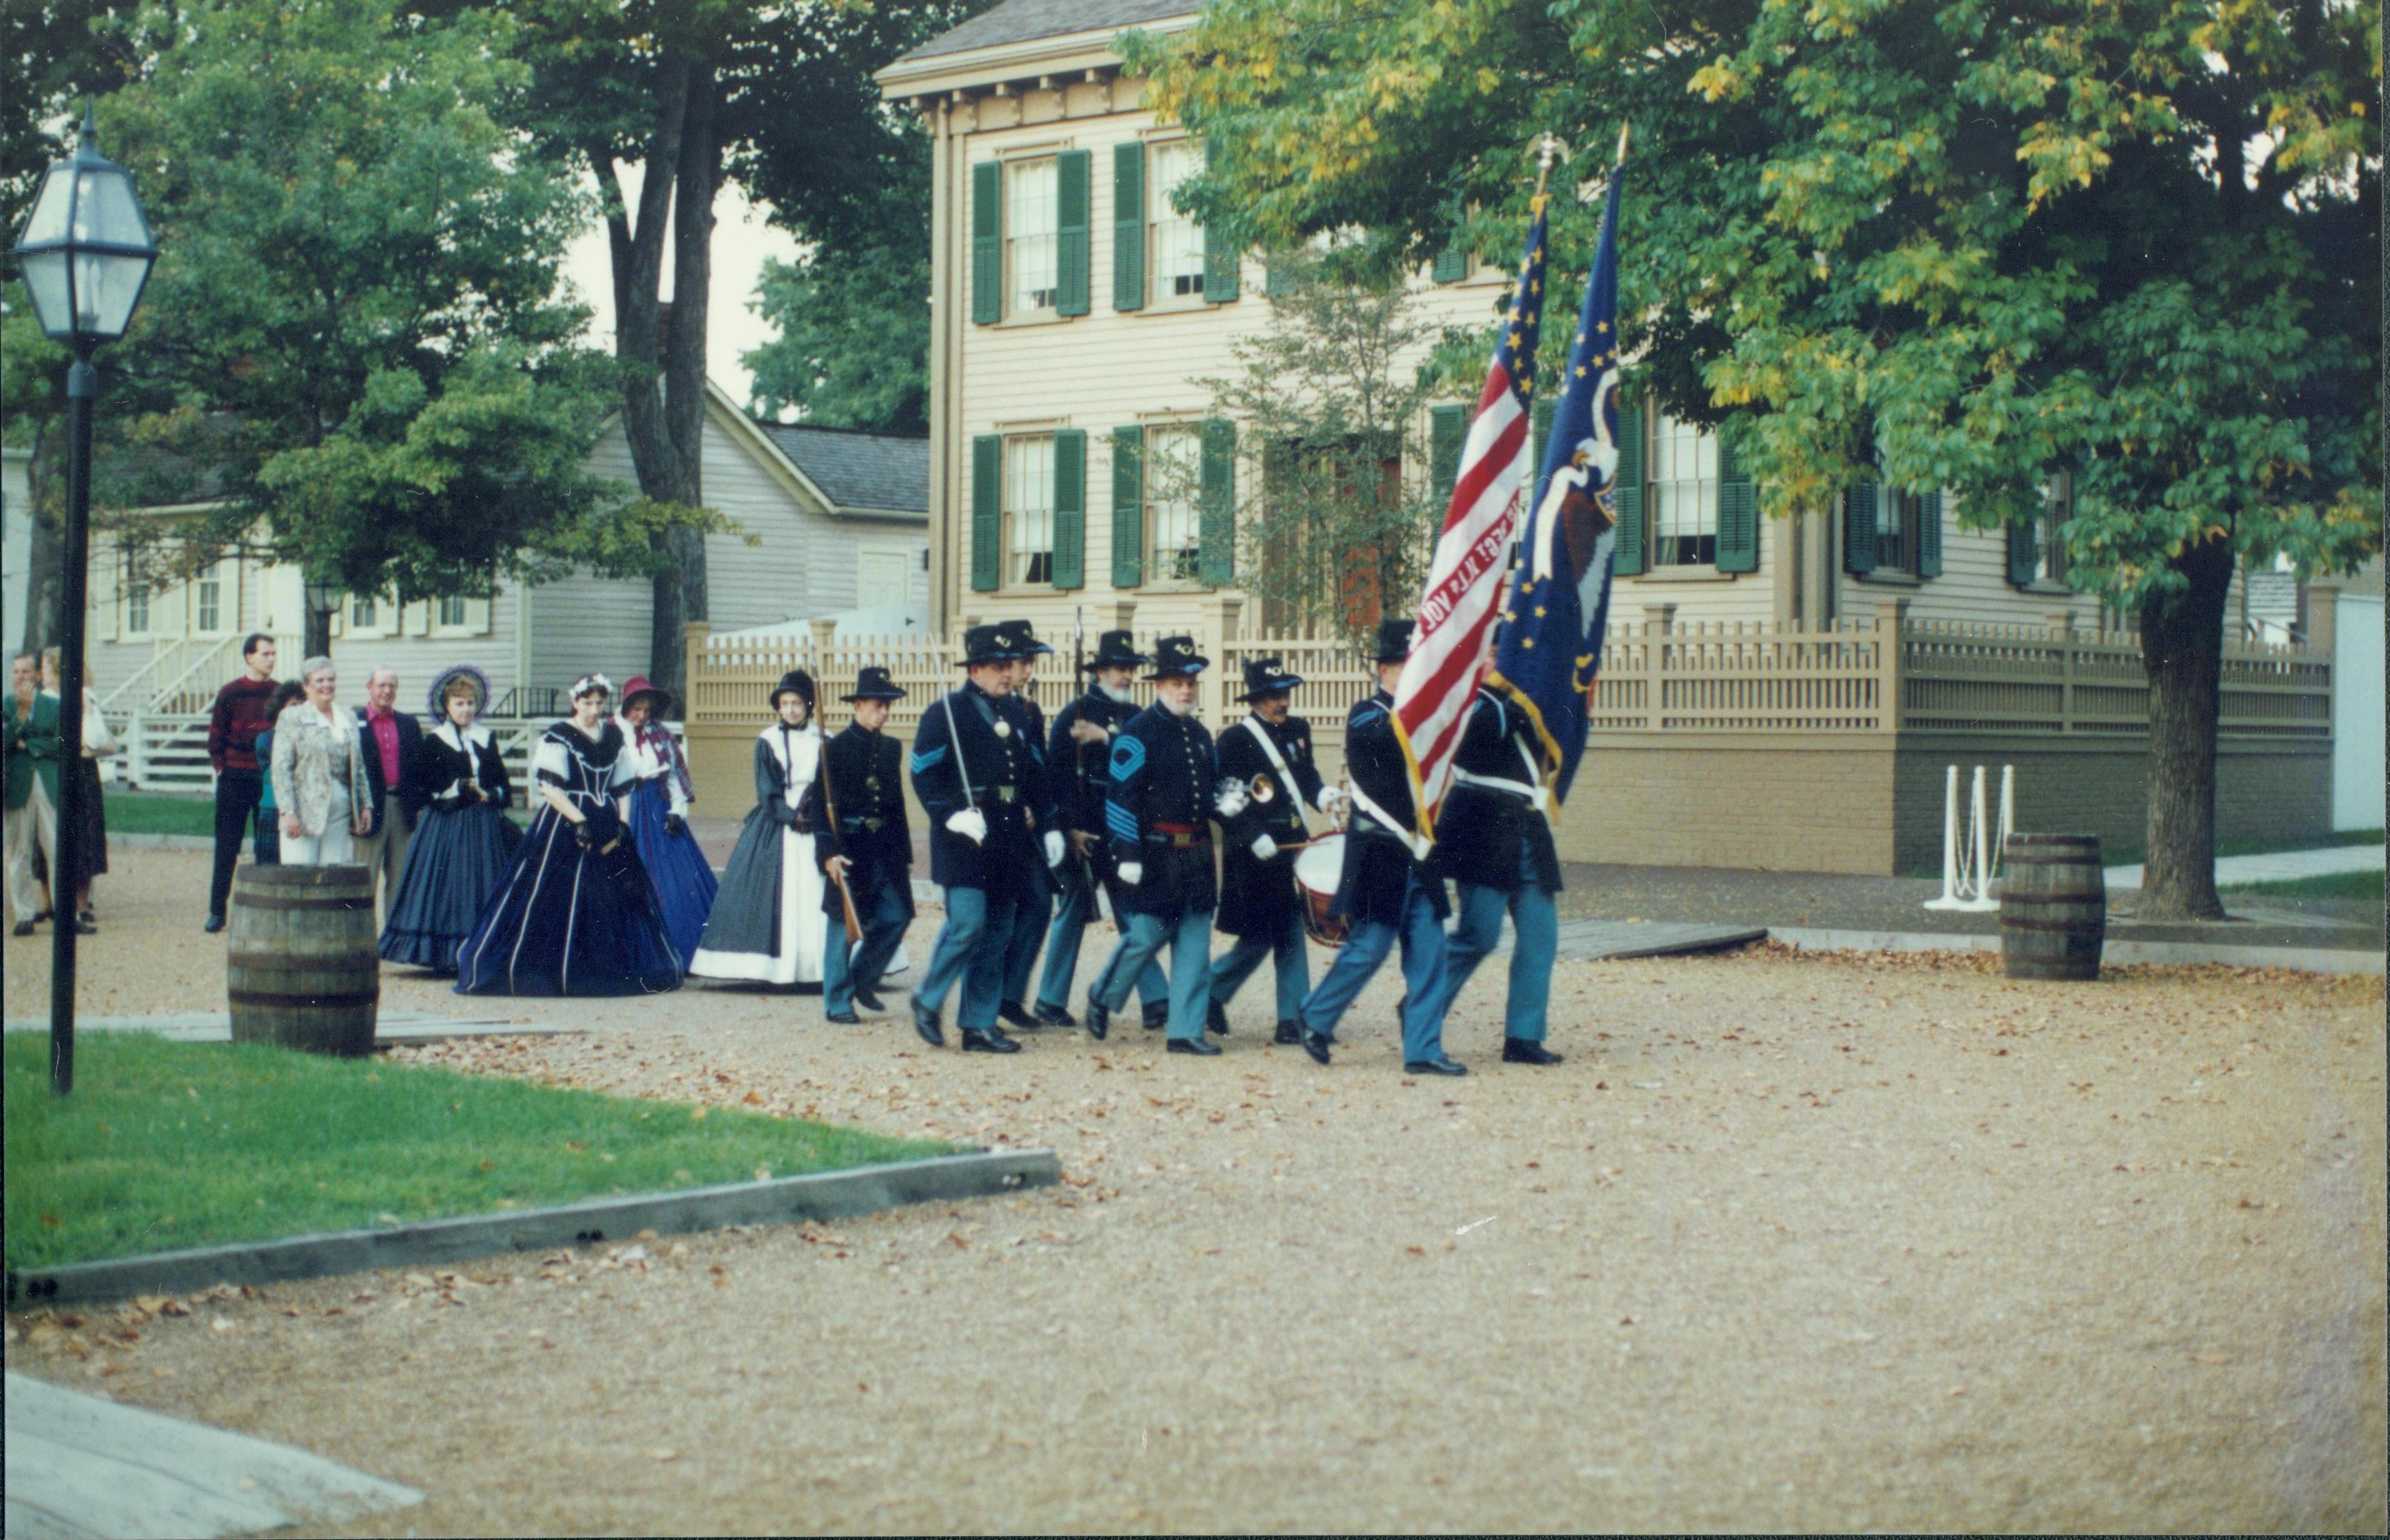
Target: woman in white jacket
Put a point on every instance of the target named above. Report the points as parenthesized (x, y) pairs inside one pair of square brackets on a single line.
[(319, 778)]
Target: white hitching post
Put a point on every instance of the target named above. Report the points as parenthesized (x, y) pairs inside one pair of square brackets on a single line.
[(1978, 832), (1949, 898)]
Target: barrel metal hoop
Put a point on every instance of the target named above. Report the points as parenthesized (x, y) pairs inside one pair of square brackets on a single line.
[(286, 1002), (327, 903), (2053, 926), (2094, 895)]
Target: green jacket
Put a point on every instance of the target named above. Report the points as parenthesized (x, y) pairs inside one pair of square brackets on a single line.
[(32, 749)]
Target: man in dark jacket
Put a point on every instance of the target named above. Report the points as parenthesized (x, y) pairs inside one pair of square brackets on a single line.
[(234, 723), (1035, 909), (990, 827), (1165, 790), (1386, 891), (391, 743), (1494, 840), (1270, 753), (1078, 765), (856, 808)]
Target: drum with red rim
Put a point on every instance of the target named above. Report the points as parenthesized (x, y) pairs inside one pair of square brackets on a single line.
[(1318, 868)]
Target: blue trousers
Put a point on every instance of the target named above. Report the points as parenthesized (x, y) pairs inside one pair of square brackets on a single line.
[(1232, 967), (1537, 923), (1021, 948), (1071, 915), (1189, 936), (1356, 962), (970, 949), (884, 917)]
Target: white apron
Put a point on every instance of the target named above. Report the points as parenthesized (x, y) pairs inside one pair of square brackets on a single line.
[(802, 924)]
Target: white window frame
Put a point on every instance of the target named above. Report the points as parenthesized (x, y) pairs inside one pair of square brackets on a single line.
[(1172, 238), (1173, 492), (213, 577), (1025, 241), (1664, 487), (137, 594), (385, 620), (1021, 478), (473, 616)]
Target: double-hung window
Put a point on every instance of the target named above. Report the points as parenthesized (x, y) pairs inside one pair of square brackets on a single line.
[(1682, 487), (207, 614), (1031, 246), (1177, 239), (1174, 484), (1029, 509), (365, 612)]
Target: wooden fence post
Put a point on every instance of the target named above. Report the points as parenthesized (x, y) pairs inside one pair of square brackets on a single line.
[(1657, 620), (2061, 626), (1891, 622), (692, 641)]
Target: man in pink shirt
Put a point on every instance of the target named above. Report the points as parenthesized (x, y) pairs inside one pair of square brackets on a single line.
[(389, 741)]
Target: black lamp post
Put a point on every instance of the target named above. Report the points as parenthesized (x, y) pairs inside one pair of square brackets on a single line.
[(85, 256), (323, 597)]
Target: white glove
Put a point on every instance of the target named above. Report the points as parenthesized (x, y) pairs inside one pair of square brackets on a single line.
[(1233, 799), (1330, 799), (1264, 848), (1132, 872), (971, 823), (1054, 847)]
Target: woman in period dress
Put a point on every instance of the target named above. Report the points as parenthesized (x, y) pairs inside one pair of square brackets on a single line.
[(91, 850), (678, 869), (574, 914), (463, 840), (767, 923)]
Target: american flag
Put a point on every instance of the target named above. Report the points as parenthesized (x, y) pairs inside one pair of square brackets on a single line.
[(1463, 593)]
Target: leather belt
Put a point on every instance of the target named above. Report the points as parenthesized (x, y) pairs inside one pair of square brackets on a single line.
[(869, 826), (1179, 835)]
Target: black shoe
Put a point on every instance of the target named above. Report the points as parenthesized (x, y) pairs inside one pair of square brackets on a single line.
[(215, 923), (41, 915), (1316, 1043), (1518, 1050), (85, 928), (869, 1001), (1011, 1015), (85, 916), (1215, 1020), (1054, 1015), (1439, 1065), (844, 1018), (1201, 1045), (23, 927), (988, 1040), (925, 1021), (1289, 1032), (1100, 1020), (1157, 1016)]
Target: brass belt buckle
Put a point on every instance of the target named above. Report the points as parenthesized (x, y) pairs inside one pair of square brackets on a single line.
[(1004, 793)]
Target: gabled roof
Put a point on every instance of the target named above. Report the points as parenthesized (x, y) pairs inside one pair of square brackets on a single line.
[(858, 471), (1028, 21)]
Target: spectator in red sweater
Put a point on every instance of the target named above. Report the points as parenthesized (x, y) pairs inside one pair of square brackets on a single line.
[(241, 713)]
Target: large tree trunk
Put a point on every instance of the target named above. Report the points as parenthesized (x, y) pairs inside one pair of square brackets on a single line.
[(2182, 650), (680, 588), (45, 525)]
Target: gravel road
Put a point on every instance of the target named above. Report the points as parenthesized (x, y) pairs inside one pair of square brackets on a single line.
[(1788, 1243)]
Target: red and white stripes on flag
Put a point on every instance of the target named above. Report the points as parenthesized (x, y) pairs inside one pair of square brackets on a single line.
[(1468, 575)]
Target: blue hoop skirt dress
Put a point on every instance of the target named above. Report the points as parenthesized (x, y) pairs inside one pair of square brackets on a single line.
[(567, 919), (459, 852), (677, 868)]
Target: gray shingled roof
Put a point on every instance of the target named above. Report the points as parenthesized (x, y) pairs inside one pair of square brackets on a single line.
[(887, 471), (1025, 20)]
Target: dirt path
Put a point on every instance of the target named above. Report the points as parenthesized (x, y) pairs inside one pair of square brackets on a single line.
[(1785, 1244)]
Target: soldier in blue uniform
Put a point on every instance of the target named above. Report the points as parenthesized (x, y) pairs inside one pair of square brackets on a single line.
[(1270, 753), (1037, 910), (856, 808), (1386, 891), (1493, 838), (1078, 769), (1165, 791), (981, 788)]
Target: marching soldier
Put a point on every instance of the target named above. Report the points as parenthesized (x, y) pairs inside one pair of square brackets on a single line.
[(1078, 764), (979, 783), (1269, 753), (1385, 891), (1497, 844), (1029, 925), (1165, 791), (856, 808)]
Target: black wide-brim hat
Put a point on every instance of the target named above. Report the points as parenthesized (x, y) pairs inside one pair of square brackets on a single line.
[(873, 683), (1025, 642), (1115, 650), (997, 642), (1176, 657), (1268, 677), (798, 680), (1395, 640)]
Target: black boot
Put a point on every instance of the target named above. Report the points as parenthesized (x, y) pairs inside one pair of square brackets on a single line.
[(988, 1040), (1289, 1032), (1316, 1043), (1157, 1015), (1439, 1065), (1054, 1015), (1215, 1020), (1098, 1020), (1011, 1015), (1201, 1045), (869, 1001), (925, 1021), (1519, 1050)]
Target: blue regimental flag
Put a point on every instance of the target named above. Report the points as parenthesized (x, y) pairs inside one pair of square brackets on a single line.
[(1549, 643)]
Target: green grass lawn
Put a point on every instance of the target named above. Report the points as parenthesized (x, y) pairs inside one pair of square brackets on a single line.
[(160, 813), (2357, 885), (166, 1145)]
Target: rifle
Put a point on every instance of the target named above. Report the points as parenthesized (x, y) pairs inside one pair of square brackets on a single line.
[(837, 880)]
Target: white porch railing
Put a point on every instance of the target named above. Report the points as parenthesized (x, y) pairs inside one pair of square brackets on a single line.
[(168, 751)]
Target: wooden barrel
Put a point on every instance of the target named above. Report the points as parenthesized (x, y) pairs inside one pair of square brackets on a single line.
[(2053, 906), (304, 971)]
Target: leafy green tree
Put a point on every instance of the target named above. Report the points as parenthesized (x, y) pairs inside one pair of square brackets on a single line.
[(1968, 244), (354, 332), (851, 347)]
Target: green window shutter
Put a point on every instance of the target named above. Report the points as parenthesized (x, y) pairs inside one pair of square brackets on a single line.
[(987, 243), (1451, 264), (1220, 279), (1859, 501), (1627, 550), (1539, 437), (1738, 516), (1128, 226), (986, 513), (1216, 509), (1074, 170), (2025, 554), (1129, 506), (1929, 534), (1277, 278), (1070, 508), (1447, 434)]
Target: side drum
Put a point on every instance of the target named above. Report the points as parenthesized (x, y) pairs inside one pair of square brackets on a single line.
[(303, 971), (1318, 868)]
